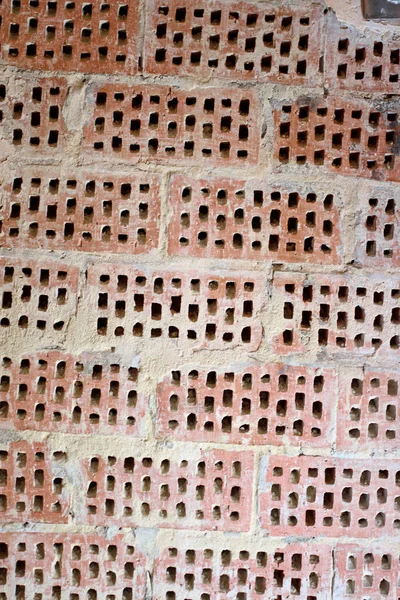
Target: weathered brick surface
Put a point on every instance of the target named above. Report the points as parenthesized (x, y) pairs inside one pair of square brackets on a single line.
[(70, 36), (37, 296), (366, 572), (295, 571), (89, 212), (274, 404), (368, 411), (207, 310), (54, 391), (312, 495), (50, 565), (166, 125), (32, 486), (225, 218), (210, 492), (338, 313), (235, 41), (346, 136)]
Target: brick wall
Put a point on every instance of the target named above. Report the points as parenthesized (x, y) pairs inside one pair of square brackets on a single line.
[(200, 301)]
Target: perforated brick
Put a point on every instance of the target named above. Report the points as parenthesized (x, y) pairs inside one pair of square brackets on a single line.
[(378, 224), (361, 61), (295, 571), (36, 296), (163, 124), (32, 480), (311, 495), (349, 137), (33, 120), (234, 41), (89, 212), (368, 411), (274, 404), (338, 313), (70, 36), (35, 566), (210, 492), (368, 573), (54, 391), (209, 311), (225, 218)]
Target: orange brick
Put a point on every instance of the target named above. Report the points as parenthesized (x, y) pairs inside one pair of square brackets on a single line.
[(225, 218), (297, 570), (32, 484), (31, 290), (212, 492), (234, 41), (70, 36), (348, 137), (70, 565), (215, 311), (341, 313), (274, 404), (89, 212), (162, 124), (368, 411), (370, 571), (316, 496), (54, 391)]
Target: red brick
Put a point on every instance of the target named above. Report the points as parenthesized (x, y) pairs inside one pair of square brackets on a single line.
[(368, 412), (213, 491), (338, 313), (32, 484), (274, 404), (211, 311), (188, 572), (89, 212), (234, 41), (349, 137), (366, 572), (34, 121), (54, 391), (225, 218), (70, 565), (165, 125), (311, 495), (32, 290), (377, 233), (70, 36), (361, 61)]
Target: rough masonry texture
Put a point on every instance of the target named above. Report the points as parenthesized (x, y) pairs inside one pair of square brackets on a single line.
[(199, 301)]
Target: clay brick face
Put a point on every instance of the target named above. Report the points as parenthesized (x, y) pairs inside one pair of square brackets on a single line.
[(209, 311), (212, 492), (163, 124), (368, 412), (225, 218), (369, 572), (188, 573), (349, 137), (37, 296), (33, 122), (87, 212), (275, 404), (356, 60), (70, 36), (32, 484), (339, 313), (311, 496), (53, 391), (234, 41), (70, 565)]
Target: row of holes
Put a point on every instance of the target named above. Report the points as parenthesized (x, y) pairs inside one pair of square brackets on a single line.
[(86, 7)]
